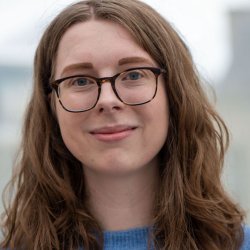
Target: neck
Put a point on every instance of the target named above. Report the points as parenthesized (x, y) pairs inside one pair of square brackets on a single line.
[(120, 203)]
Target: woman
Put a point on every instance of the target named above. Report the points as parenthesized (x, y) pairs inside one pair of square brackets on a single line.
[(121, 147)]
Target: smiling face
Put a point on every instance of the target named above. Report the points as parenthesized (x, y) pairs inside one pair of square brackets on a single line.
[(112, 138)]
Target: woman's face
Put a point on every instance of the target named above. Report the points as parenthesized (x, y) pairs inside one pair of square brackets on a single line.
[(112, 138)]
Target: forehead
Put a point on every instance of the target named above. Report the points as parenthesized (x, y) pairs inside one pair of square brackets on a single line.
[(99, 42)]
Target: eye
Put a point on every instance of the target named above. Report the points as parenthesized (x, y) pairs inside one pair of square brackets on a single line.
[(133, 75), (83, 81)]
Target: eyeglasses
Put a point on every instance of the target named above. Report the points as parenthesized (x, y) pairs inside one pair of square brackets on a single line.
[(135, 86)]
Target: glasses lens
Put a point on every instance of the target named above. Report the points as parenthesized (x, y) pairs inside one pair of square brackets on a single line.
[(136, 86), (78, 93)]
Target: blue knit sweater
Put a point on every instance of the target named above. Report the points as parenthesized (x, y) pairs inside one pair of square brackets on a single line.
[(137, 239)]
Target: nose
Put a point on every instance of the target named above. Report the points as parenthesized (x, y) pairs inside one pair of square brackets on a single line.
[(108, 101)]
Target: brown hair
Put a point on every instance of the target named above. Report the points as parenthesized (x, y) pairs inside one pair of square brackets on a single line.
[(192, 210)]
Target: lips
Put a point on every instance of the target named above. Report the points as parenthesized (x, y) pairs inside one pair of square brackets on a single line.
[(113, 133)]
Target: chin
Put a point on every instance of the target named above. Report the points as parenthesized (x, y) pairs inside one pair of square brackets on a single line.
[(119, 167)]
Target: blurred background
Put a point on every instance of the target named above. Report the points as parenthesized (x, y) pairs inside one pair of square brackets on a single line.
[(217, 33)]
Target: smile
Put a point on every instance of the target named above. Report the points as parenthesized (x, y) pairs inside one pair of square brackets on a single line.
[(113, 134)]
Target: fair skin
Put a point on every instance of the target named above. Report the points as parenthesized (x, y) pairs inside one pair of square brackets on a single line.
[(120, 167)]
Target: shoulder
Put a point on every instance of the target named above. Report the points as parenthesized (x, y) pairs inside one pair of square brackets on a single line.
[(246, 242)]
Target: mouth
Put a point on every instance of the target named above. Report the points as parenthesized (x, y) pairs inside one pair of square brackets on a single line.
[(113, 133)]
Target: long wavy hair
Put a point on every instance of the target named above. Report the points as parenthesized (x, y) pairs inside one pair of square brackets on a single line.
[(192, 211)]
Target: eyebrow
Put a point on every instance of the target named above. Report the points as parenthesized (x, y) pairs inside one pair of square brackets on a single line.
[(84, 65), (135, 59), (88, 65)]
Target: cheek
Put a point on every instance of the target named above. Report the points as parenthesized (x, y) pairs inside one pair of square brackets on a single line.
[(68, 121), (157, 121), (70, 127), (159, 128), (160, 111), (67, 128)]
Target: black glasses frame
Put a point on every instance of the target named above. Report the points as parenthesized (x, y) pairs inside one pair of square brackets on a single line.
[(55, 85)]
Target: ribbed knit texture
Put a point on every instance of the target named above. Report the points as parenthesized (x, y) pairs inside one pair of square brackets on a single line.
[(137, 239), (246, 243), (133, 239)]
